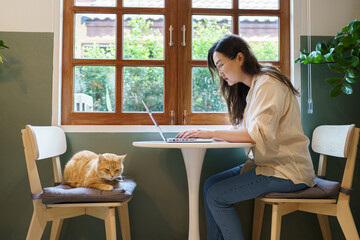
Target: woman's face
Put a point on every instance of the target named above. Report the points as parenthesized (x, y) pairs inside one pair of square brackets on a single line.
[(229, 69)]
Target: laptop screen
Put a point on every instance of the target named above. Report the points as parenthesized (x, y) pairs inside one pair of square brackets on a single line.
[(154, 121)]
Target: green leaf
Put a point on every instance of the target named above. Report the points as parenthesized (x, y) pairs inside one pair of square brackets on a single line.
[(352, 26), (353, 73), (329, 57), (347, 89), (337, 68), (2, 45), (356, 24), (339, 48), (350, 80), (347, 41), (318, 46), (355, 61), (307, 60), (304, 51), (316, 57), (321, 47), (303, 56), (339, 35), (336, 90), (334, 80), (356, 32), (342, 61)]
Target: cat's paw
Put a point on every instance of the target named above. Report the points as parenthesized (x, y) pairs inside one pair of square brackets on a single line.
[(107, 187)]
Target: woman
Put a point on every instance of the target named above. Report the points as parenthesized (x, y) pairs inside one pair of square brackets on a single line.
[(262, 105)]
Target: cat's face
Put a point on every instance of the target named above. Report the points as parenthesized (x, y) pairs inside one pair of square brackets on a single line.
[(110, 166)]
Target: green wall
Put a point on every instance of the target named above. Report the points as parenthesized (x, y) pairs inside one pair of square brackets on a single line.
[(25, 98), (159, 209), (339, 110)]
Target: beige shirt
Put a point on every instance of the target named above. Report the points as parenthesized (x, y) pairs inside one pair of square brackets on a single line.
[(272, 118)]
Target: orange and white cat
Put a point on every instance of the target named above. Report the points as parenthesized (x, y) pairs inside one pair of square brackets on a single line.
[(87, 169)]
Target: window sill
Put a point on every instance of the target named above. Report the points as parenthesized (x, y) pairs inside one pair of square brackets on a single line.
[(135, 128)]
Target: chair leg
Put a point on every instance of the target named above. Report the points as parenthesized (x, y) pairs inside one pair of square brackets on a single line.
[(37, 225), (258, 218), (110, 224), (276, 222), (56, 229), (347, 223), (324, 226), (123, 212)]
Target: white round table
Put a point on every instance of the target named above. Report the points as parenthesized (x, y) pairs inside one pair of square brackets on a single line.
[(193, 154)]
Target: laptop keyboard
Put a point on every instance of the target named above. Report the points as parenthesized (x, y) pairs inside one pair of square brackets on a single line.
[(181, 139), (188, 140)]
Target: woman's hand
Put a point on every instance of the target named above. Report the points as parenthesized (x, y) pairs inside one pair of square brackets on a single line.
[(196, 133), (233, 135)]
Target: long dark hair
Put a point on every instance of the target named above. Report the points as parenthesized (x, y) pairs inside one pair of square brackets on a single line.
[(235, 96)]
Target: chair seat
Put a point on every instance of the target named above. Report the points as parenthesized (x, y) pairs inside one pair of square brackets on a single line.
[(66, 194), (88, 205), (322, 189)]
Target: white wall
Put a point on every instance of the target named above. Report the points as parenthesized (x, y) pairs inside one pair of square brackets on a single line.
[(27, 15), (329, 16)]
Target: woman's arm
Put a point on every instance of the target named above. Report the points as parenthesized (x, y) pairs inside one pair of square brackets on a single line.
[(233, 135)]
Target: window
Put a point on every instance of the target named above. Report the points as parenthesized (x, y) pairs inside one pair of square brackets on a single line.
[(119, 52)]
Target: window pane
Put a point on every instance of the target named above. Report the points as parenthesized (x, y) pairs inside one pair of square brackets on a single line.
[(95, 36), (205, 31), (206, 95), (144, 3), (94, 89), (143, 83), (143, 37), (211, 4), (95, 3), (262, 33), (259, 4)]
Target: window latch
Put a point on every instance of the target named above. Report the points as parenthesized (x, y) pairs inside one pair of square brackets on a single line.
[(184, 117), (172, 117)]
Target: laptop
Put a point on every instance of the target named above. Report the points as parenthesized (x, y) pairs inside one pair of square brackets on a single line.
[(175, 140)]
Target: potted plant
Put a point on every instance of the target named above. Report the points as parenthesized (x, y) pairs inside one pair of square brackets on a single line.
[(341, 54), (2, 46)]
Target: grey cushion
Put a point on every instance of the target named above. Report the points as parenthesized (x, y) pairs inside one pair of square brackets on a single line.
[(322, 189), (65, 194)]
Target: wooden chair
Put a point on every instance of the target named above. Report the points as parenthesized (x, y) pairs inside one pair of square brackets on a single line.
[(338, 141), (49, 142)]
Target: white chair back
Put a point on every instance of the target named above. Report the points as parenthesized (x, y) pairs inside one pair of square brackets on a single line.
[(332, 140), (47, 141)]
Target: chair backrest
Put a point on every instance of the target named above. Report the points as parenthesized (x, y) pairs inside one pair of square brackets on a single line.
[(46, 142), (332, 140), (338, 141), (41, 143)]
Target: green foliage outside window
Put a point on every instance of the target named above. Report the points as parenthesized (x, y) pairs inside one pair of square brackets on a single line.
[(206, 94), (99, 83), (265, 50)]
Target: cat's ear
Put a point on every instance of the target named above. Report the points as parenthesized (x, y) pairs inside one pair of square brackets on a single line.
[(122, 158), (101, 158)]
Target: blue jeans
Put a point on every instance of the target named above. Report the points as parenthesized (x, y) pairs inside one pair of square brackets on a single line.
[(222, 190)]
